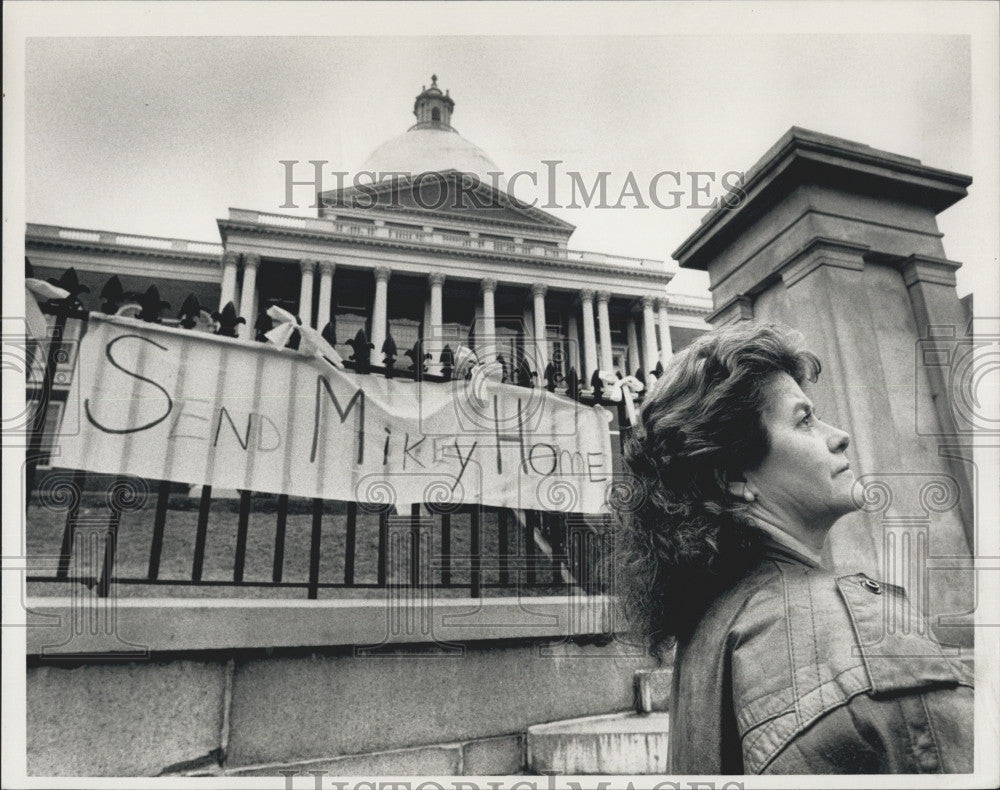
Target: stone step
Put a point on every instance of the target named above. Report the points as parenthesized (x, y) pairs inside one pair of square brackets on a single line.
[(626, 743)]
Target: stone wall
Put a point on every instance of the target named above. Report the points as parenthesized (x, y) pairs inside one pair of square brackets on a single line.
[(458, 706)]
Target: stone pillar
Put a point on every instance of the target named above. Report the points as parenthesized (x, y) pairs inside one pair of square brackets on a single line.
[(648, 334), (487, 351), (308, 266), (589, 337), (850, 255), (230, 263), (604, 327), (573, 331), (541, 333), (248, 296), (942, 321), (380, 312), (633, 347), (325, 309), (666, 345)]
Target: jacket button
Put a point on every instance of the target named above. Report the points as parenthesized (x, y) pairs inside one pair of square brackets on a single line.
[(872, 585)]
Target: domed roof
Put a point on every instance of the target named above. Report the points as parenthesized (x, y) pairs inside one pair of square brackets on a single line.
[(430, 149), (432, 144)]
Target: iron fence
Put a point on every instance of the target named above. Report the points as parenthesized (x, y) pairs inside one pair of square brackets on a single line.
[(431, 545)]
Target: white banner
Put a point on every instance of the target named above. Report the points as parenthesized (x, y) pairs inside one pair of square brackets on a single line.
[(191, 407)]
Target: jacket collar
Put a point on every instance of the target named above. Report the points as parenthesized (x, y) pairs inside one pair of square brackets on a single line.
[(781, 545)]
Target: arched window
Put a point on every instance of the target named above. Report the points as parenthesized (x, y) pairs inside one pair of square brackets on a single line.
[(435, 114)]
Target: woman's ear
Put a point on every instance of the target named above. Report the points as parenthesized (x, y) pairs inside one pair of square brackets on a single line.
[(735, 485)]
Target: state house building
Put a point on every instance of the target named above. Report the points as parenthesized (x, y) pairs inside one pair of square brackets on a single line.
[(835, 238), (413, 259)]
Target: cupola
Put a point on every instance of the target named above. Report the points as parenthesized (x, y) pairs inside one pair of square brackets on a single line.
[(432, 143), (433, 108)]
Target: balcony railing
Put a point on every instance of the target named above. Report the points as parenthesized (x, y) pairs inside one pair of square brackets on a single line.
[(113, 239), (345, 227)]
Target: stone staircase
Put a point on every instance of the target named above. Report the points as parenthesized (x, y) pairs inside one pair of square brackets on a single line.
[(619, 743), (631, 742), (627, 743)]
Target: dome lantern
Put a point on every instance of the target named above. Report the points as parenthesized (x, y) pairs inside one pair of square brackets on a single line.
[(433, 108), (432, 144)]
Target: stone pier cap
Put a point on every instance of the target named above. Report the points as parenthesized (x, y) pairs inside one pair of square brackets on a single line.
[(812, 187)]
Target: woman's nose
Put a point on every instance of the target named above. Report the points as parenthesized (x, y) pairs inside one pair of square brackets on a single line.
[(838, 441)]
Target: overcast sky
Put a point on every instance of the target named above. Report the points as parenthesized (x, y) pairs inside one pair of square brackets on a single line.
[(161, 135)]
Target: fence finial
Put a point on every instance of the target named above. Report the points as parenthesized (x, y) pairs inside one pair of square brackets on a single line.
[(152, 305), (551, 377), (362, 356), (71, 283), (190, 312), (112, 293), (228, 320), (572, 384), (389, 351)]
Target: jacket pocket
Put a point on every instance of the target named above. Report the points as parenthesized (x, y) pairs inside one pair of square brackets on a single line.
[(894, 641)]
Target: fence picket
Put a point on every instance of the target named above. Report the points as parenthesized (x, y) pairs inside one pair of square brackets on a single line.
[(279, 538), (350, 541), (69, 529), (159, 523), (239, 562), (314, 546), (204, 506)]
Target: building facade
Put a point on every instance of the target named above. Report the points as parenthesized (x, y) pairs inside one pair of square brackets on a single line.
[(438, 253)]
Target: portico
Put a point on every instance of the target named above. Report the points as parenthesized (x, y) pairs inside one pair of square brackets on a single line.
[(536, 303)]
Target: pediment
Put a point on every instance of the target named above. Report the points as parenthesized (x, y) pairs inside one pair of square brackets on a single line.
[(451, 195)]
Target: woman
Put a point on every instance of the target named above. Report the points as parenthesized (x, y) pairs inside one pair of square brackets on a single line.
[(781, 666)]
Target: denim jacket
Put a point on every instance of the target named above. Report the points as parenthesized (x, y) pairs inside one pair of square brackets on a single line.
[(796, 671)]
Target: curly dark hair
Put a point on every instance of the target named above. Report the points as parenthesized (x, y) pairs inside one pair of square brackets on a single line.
[(682, 538)]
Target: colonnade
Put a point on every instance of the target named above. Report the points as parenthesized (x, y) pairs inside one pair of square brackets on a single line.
[(595, 343)]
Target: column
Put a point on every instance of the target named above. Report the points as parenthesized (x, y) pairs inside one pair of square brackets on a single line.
[(487, 338), (573, 331), (526, 358), (633, 347), (230, 261), (541, 334), (325, 309), (604, 327), (248, 296), (306, 290), (589, 337), (649, 333), (380, 312), (666, 346), (434, 328)]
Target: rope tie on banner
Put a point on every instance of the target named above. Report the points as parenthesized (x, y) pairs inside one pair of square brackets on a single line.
[(311, 342), (623, 389), (465, 361), (39, 291)]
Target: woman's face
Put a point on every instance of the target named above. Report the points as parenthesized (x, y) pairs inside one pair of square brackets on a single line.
[(805, 477)]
